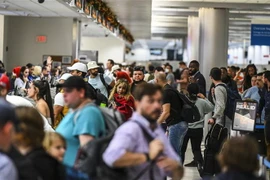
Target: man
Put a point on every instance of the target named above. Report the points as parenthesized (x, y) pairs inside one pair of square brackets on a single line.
[(136, 153), (78, 69), (81, 125), (109, 65), (177, 73), (219, 95), (138, 76), (7, 121), (59, 108), (225, 78), (31, 70), (232, 71), (96, 81), (171, 114), (150, 75), (253, 92), (157, 70), (196, 76), (45, 73), (170, 76), (115, 69)]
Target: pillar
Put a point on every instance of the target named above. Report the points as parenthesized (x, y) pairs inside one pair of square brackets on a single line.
[(193, 38), (1, 37), (214, 32)]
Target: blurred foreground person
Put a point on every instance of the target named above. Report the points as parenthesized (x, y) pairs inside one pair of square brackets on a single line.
[(146, 152), (7, 121), (239, 159)]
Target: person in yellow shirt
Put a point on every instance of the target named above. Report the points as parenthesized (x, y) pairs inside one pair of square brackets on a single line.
[(60, 109)]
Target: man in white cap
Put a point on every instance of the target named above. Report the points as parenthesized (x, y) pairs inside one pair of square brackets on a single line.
[(115, 69), (78, 69), (59, 108), (99, 81)]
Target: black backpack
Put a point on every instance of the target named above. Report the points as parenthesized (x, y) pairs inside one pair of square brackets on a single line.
[(108, 88), (189, 111), (213, 143), (96, 95), (232, 96)]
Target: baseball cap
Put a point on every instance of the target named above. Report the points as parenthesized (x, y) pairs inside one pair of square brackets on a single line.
[(74, 82), (65, 76), (115, 67), (79, 67), (7, 112), (92, 65), (4, 81)]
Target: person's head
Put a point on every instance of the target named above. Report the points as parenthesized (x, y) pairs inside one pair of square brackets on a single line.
[(259, 81), (193, 90), (30, 133), (4, 85), (138, 74), (115, 70), (74, 91), (17, 71), (254, 80), (37, 71), (64, 77), (168, 68), (45, 71), (78, 69), (231, 71), (55, 145), (30, 66), (129, 70), (266, 77), (251, 70), (194, 67), (160, 79), (182, 65), (159, 69), (224, 72), (2, 64), (148, 101), (93, 68), (151, 68), (8, 120), (215, 74), (122, 88), (110, 64), (24, 72), (239, 154)]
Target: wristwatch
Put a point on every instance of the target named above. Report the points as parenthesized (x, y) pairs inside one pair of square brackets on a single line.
[(147, 157)]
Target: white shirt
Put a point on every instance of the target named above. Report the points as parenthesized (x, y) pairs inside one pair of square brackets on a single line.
[(97, 83), (59, 100)]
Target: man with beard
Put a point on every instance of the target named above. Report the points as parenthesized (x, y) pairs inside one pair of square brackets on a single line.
[(196, 76), (171, 113), (225, 78), (131, 147), (138, 76), (96, 81)]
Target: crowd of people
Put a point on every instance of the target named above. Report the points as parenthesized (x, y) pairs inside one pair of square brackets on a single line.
[(48, 114)]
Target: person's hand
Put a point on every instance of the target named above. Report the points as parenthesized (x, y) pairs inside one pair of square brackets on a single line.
[(193, 80), (211, 121), (213, 91), (114, 105), (170, 165), (49, 60), (25, 79), (155, 148), (200, 95)]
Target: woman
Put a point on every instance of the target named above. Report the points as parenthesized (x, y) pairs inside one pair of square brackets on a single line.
[(39, 91), (21, 83), (27, 141), (251, 70), (184, 81)]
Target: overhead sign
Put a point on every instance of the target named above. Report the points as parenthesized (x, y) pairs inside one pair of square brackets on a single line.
[(260, 34)]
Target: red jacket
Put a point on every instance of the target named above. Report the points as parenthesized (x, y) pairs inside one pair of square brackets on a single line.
[(126, 107)]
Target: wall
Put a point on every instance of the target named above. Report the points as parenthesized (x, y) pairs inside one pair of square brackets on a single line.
[(22, 45), (107, 47)]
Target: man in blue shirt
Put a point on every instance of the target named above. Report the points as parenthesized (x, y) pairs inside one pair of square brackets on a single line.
[(83, 123)]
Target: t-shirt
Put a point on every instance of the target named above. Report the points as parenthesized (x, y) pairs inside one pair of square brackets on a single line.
[(170, 96), (88, 121), (170, 77), (59, 101), (7, 168), (97, 83)]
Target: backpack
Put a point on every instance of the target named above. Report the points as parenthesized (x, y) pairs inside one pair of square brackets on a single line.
[(108, 88), (95, 94), (89, 158), (213, 143), (232, 96), (189, 111)]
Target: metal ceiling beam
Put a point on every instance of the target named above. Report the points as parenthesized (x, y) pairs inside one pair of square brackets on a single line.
[(199, 4)]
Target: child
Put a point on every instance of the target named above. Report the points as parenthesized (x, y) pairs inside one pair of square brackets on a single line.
[(121, 98), (55, 145)]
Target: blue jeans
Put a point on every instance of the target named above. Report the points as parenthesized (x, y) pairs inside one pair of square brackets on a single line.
[(177, 133)]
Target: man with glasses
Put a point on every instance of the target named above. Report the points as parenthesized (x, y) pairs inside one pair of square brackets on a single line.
[(81, 125), (138, 77)]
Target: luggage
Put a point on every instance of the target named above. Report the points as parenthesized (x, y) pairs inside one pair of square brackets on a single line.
[(213, 143)]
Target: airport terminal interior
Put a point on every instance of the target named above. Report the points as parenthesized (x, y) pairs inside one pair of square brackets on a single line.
[(228, 34)]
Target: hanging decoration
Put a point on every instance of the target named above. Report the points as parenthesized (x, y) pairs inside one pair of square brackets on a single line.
[(99, 11)]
